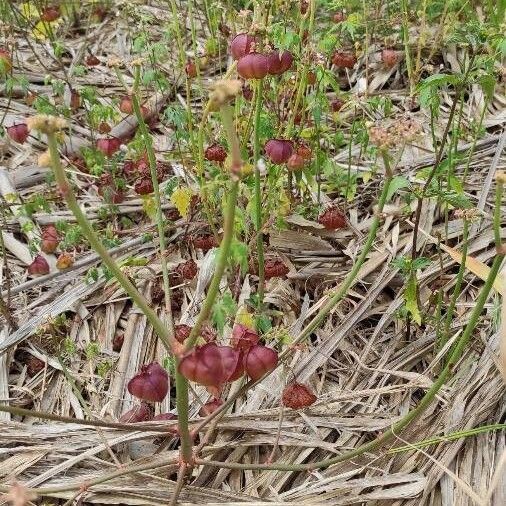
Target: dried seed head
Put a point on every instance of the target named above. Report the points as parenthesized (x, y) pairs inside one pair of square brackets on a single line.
[(44, 159), (500, 177), (114, 61), (224, 91), (46, 124)]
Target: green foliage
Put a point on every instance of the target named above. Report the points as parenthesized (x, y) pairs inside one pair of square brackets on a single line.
[(223, 310)]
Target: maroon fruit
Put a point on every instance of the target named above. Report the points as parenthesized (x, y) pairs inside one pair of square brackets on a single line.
[(117, 342), (304, 6), (208, 333), (275, 268), (18, 133), (191, 69), (278, 150), (253, 66), (140, 413), (295, 162), (92, 60), (187, 270), (129, 169), (305, 151), (126, 105), (336, 105), (344, 59), (215, 153), (243, 338), (260, 360), (182, 332), (50, 239), (205, 242), (389, 57), (297, 396), (211, 364), (51, 13), (38, 267), (143, 186), (104, 127), (210, 407), (311, 78), (109, 145), (150, 384), (241, 45), (332, 219), (279, 62)]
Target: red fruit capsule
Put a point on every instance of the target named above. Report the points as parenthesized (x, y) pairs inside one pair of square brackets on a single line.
[(311, 78), (104, 127), (336, 105), (344, 59), (279, 62), (241, 45), (215, 153), (253, 66), (126, 105), (260, 360), (38, 267), (211, 365), (143, 186), (243, 338), (108, 146), (278, 150), (64, 261), (205, 242), (18, 133), (305, 151), (275, 268), (191, 69), (51, 13), (182, 332), (304, 6), (187, 270), (295, 162), (140, 413), (150, 384), (210, 407), (389, 57), (297, 396), (92, 60), (332, 219), (50, 239)]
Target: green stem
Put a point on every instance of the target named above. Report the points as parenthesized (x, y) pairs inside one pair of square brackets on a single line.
[(258, 195), (182, 405), (148, 144), (170, 343), (458, 284)]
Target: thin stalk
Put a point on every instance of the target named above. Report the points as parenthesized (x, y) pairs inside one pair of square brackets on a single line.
[(258, 195), (182, 418), (148, 144), (458, 285), (129, 427), (167, 339)]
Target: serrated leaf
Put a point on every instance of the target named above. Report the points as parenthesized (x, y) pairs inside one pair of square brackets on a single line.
[(181, 198)]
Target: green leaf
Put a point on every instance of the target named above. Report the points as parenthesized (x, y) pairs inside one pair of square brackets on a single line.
[(149, 206), (397, 183), (224, 308), (411, 301)]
